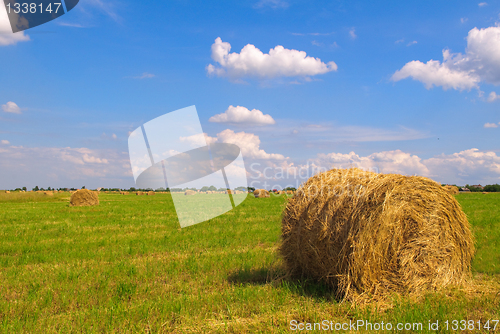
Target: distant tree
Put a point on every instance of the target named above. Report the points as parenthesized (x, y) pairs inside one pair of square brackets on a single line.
[(83, 187), (290, 188), (241, 189), (204, 188), (251, 189), (24, 188), (36, 188), (212, 188), (492, 188)]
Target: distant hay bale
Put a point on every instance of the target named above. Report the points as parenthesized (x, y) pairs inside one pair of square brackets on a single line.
[(260, 193), (48, 193), (190, 192), (289, 192), (451, 189), (228, 192), (139, 193), (7, 191), (151, 193), (368, 235), (485, 192), (84, 197)]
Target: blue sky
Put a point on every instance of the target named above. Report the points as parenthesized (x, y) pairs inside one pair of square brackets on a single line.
[(72, 89)]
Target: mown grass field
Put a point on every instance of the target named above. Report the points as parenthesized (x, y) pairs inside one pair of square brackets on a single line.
[(126, 266)]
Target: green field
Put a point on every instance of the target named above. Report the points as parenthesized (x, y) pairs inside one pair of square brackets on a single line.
[(126, 266)]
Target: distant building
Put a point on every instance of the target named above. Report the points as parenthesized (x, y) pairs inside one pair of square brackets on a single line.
[(477, 186), (465, 189)]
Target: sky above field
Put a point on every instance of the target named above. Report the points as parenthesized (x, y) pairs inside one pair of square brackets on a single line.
[(406, 87)]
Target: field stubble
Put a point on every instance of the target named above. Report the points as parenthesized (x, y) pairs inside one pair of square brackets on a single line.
[(126, 266)]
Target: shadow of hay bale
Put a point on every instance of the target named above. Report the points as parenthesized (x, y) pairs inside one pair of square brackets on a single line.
[(277, 277), (370, 235)]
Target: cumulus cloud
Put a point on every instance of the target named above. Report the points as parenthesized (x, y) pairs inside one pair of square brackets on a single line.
[(469, 166), (249, 144), (241, 115), (251, 62), (480, 63), (4, 142), (7, 37), (11, 107), (490, 125), (64, 167), (493, 97), (387, 162)]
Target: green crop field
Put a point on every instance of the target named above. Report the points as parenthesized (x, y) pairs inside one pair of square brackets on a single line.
[(126, 266)]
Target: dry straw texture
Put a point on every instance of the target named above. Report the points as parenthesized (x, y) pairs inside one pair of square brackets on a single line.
[(451, 189), (261, 193), (84, 197), (190, 192), (139, 193), (368, 235), (151, 193)]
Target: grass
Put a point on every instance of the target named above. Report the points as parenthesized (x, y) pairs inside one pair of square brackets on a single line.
[(126, 266)]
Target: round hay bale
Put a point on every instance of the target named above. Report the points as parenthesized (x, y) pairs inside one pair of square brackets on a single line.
[(7, 191), (48, 193), (260, 193), (485, 192), (190, 192), (451, 189), (374, 234), (151, 193), (84, 197), (289, 192), (139, 193)]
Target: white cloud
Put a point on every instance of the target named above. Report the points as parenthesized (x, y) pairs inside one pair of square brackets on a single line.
[(463, 19), (145, 75), (251, 62), (469, 166), (7, 37), (249, 144), (482, 4), (271, 3), (387, 162), (316, 43), (480, 63), (64, 167), (399, 41), (73, 25), (114, 136), (241, 115), (490, 125), (411, 43), (352, 33), (493, 97), (11, 107), (4, 142)]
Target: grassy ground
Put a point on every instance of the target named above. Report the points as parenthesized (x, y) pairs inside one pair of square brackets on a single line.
[(126, 266)]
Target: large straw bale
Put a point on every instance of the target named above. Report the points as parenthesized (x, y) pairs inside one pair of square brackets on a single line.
[(7, 191), (261, 193), (84, 197), (139, 193), (190, 192), (368, 235), (451, 189), (151, 193)]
